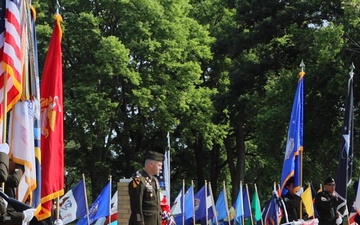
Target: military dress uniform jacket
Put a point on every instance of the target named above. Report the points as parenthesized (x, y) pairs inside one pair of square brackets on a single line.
[(144, 191), (326, 204), (292, 204)]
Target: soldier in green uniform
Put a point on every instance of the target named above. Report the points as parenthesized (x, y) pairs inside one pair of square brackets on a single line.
[(144, 191)]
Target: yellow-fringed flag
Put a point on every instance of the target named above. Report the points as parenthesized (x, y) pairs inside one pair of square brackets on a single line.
[(308, 203), (52, 122)]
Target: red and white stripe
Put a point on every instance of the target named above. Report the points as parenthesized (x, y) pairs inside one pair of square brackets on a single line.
[(11, 46)]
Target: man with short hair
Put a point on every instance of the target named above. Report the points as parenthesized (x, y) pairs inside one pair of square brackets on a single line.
[(326, 203), (144, 191)]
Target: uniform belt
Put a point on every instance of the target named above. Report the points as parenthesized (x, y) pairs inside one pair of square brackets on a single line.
[(151, 209)]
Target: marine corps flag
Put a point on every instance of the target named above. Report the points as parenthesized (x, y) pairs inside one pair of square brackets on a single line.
[(292, 166), (52, 119), (344, 171)]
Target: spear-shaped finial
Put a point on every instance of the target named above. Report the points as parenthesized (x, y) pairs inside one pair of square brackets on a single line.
[(57, 7), (302, 65), (352, 67)]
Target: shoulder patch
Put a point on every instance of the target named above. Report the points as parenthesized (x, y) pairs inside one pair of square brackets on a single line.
[(136, 182)]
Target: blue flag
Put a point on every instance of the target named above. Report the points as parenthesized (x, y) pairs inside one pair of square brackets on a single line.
[(187, 206), (344, 171), (99, 208), (221, 206), (73, 203), (271, 212), (246, 204), (203, 209), (239, 207), (292, 166)]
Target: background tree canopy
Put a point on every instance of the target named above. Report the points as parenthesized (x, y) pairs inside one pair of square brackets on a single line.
[(219, 76)]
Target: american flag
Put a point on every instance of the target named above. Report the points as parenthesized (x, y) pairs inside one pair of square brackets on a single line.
[(10, 52)]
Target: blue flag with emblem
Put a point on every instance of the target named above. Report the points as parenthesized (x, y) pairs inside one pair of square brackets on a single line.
[(73, 203), (203, 205), (100, 207), (292, 166)]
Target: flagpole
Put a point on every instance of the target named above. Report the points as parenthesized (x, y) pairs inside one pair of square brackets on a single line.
[(242, 203), (183, 202), (86, 202), (167, 175), (213, 204), (247, 193), (109, 217), (4, 122), (57, 207), (226, 202), (206, 206), (302, 65), (193, 201), (258, 200)]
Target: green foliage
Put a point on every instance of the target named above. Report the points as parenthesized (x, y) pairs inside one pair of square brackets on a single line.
[(220, 76)]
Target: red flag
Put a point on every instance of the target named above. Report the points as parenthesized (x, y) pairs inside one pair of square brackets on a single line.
[(52, 120), (10, 53)]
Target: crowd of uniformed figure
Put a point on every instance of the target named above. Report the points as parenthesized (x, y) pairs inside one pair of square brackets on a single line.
[(326, 203)]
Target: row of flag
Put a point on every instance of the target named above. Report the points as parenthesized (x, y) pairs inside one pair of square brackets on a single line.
[(73, 205), (35, 109), (189, 208)]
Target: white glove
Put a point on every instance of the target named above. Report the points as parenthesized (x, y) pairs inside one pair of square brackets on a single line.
[(28, 215), (58, 222), (339, 221), (5, 202), (4, 147)]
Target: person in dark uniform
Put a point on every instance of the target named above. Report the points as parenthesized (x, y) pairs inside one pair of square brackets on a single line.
[(144, 191), (293, 203), (326, 202), (16, 172), (12, 211)]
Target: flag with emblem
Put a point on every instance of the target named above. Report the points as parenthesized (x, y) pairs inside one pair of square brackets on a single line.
[(99, 208), (52, 120), (292, 166), (344, 172), (73, 203)]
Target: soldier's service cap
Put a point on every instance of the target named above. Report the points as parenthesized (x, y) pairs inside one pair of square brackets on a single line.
[(157, 156), (329, 180)]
